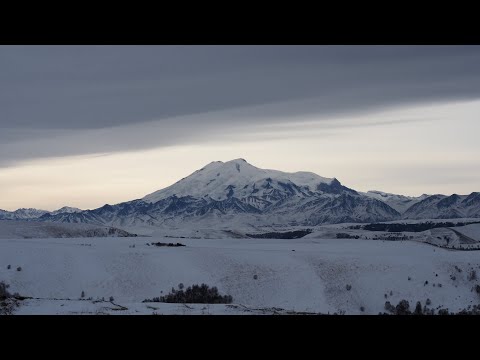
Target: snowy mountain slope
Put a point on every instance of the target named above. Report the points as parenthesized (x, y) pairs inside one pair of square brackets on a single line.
[(33, 214), (445, 207), (239, 179), (65, 210), (21, 214), (398, 202)]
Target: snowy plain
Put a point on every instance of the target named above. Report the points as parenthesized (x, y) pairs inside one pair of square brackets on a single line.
[(264, 276)]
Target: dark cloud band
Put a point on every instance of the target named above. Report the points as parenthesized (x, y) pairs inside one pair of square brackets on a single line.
[(59, 91)]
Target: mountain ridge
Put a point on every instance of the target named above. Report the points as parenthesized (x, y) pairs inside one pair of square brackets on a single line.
[(238, 192)]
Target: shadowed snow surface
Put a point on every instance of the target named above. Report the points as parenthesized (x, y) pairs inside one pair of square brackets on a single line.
[(312, 278)]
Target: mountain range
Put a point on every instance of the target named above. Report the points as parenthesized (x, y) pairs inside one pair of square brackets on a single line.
[(236, 191), (31, 214)]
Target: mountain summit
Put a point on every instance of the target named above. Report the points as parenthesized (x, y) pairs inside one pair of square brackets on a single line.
[(237, 178)]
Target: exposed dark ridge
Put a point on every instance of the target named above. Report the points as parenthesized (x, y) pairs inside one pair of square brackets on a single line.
[(281, 235), (335, 187)]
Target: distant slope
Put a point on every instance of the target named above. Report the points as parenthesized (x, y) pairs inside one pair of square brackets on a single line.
[(22, 214), (472, 231), (33, 214), (398, 202), (19, 229), (445, 207)]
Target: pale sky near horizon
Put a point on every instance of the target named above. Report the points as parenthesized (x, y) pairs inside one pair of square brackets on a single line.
[(88, 125)]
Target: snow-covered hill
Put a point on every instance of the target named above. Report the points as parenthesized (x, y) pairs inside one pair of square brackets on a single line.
[(21, 229), (321, 275)]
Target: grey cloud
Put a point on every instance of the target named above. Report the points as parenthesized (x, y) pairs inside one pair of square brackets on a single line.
[(63, 93)]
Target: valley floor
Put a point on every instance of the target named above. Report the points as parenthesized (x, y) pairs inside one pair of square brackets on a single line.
[(264, 276)]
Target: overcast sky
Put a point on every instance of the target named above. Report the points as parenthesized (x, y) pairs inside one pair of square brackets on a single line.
[(88, 125)]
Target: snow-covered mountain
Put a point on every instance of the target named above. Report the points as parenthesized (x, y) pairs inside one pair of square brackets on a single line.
[(445, 207), (235, 191), (65, 209), (226, 194), (238, 179), (21, 214), (399, 202), (33, 214)]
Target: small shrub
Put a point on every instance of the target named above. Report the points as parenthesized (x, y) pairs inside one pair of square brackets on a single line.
[(403, 308), (425, 283), (82, 295), (347, 236), (9, 267), (362, 309), (472, 276), (349, 287), (255, 277), (418, 309), (19, 268), (180, 286), (409, 278), (3, 290), (391, 292), (160, 244), (111, 298), (389, 307), (428, 302), (439, 285), (477, 289), (385, 295)]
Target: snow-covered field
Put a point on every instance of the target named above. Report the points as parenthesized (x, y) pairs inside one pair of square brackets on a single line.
[(303, 275)]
